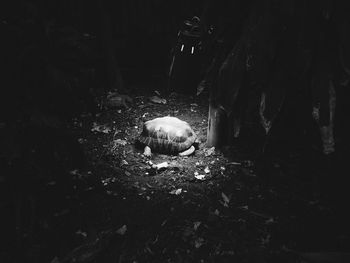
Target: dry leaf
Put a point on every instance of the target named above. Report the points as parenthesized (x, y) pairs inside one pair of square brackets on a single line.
[(120, 142), (196, 225), (200, 176), (158, 100), (122, 230), (210, 151), (159, 166), (199, 242), (103, 128), (176, 191), (225, 198)]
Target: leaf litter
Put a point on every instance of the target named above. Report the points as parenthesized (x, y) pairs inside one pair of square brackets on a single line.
[(149, 194)]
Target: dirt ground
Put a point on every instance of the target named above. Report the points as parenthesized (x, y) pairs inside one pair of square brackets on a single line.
[(212, 206)]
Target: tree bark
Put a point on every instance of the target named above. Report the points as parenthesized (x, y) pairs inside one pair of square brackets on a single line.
[(216, 126)]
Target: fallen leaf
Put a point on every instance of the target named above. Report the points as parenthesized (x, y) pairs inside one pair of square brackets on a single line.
[(122, 230), (103, 128), (147, 248), (265, 240), (51, 183), (269, 221), (234, 163), (225, 198), (210, 151), (158, 100), (79, 232), (159, 166), (200, 88), (200, 176), (176, 191), (116, 132), (196, 225), (120, 142), (123, 162), (199, 242)]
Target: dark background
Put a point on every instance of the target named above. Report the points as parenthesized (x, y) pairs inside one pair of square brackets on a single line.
[(59, 59)]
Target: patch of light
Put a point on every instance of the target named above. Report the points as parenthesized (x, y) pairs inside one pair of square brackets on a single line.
[(178, 133)]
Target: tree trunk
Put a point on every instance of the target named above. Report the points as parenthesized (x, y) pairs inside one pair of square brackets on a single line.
[(248, 64), (217, 123)]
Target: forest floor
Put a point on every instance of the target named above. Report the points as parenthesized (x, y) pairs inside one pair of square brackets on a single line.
[(212, 206)]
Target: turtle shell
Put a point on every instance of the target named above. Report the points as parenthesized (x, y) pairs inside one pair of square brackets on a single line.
[(167, 134)]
